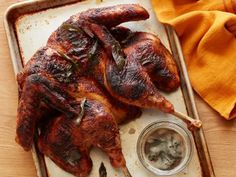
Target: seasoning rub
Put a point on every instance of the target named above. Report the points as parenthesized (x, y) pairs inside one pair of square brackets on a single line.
[(165, 149)]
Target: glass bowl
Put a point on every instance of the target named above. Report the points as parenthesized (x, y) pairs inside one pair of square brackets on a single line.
[(165, 147)]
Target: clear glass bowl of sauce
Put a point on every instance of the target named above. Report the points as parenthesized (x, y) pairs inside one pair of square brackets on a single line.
[(165, 147)]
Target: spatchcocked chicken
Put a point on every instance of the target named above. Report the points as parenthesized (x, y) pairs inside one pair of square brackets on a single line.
[(91, 76)]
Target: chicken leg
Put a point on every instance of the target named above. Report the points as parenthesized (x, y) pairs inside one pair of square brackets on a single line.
[(126, 80), (68, 144), (152, 55)]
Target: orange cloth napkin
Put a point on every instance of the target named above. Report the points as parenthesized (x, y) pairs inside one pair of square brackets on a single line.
[(207, 32)]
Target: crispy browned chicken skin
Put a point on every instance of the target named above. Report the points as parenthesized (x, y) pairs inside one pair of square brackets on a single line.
[(68, 144), (46, 82), (84, 58), (151, 54)]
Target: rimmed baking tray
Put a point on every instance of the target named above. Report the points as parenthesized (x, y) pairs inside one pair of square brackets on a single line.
[(29, 24)]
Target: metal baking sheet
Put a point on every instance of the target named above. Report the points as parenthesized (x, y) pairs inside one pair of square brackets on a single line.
[(28, 26)]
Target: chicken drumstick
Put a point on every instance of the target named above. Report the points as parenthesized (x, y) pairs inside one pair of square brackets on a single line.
[(68, 143)]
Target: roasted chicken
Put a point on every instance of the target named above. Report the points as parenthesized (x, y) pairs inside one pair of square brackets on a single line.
[(115, 70), (68, 142), (47, 87), (151, 54)]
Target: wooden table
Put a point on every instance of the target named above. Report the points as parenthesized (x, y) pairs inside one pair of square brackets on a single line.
[(220, 134)]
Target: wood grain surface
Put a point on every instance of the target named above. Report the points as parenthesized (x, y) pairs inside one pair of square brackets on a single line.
[(14, 162)]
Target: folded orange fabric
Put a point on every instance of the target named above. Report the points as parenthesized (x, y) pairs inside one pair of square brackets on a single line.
[(207, 32)]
